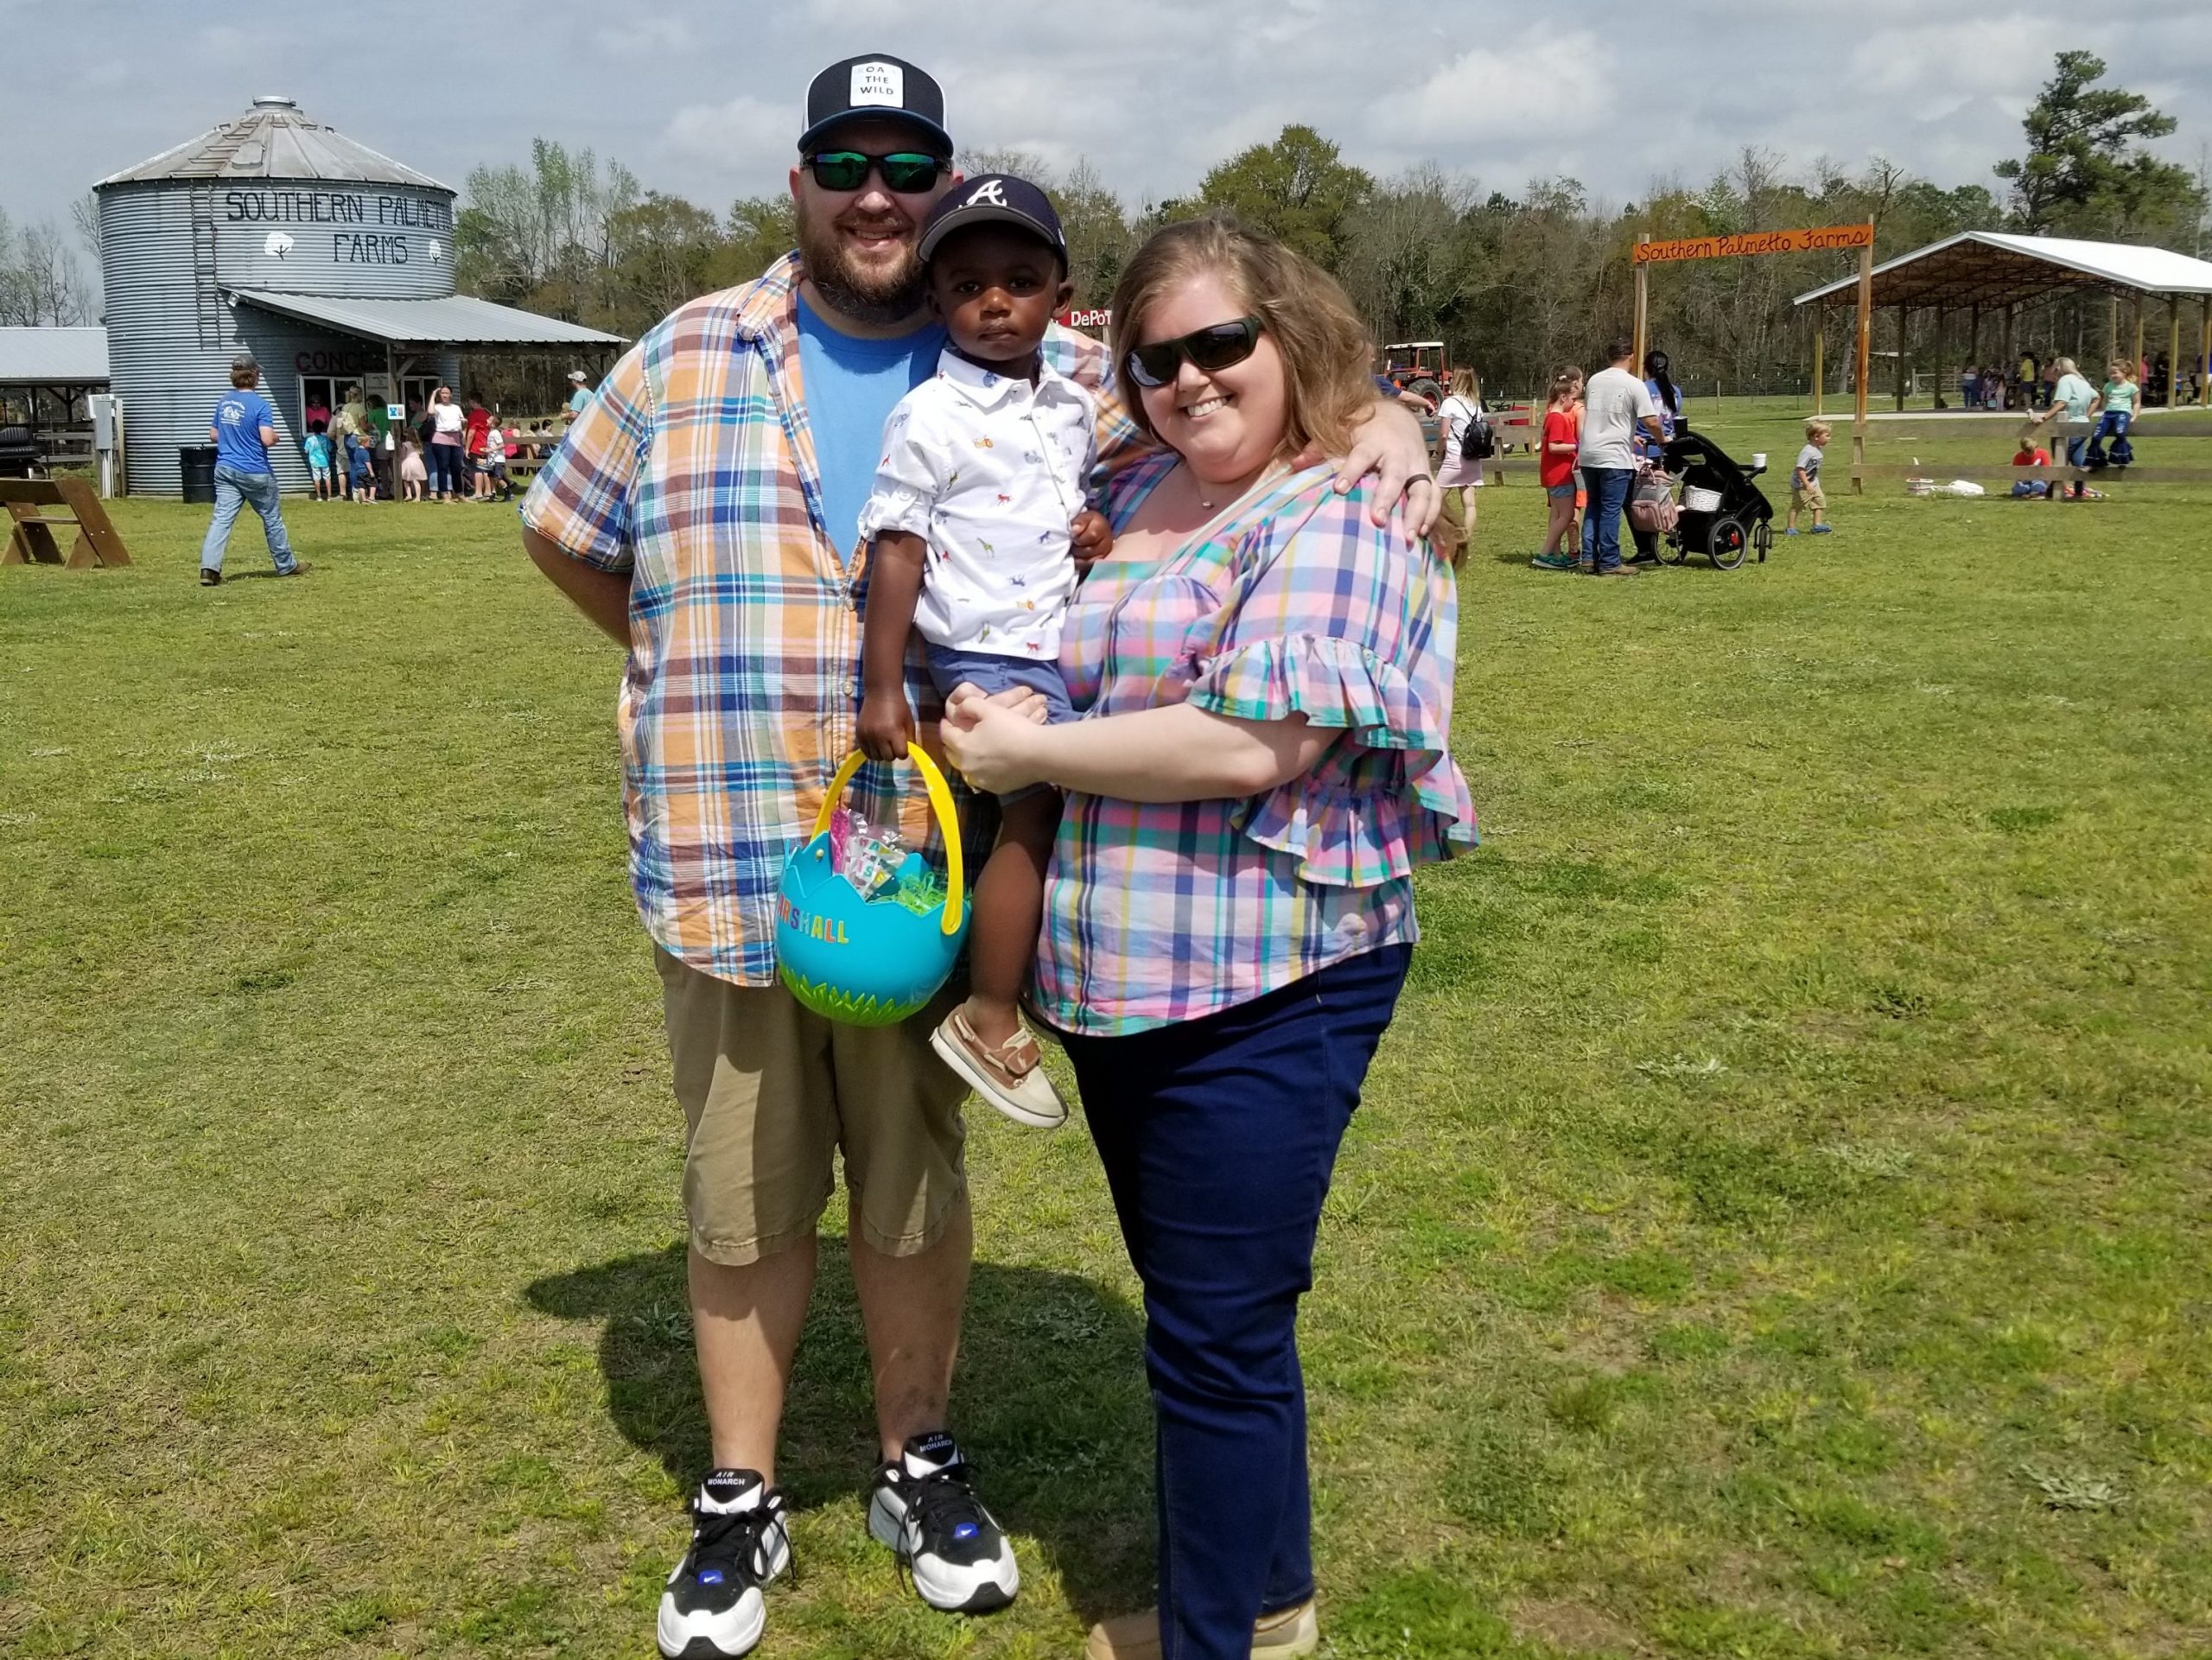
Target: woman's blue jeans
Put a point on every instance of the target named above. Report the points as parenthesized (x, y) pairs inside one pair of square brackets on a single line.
[(445, 467), (235, 489), (1218, 1136)]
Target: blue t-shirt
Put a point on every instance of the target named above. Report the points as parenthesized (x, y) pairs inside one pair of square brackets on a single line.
[(318, 448), (239, 421), (852, 384)]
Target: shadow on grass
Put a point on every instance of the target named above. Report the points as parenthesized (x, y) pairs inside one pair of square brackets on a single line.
[(1050, 1402)]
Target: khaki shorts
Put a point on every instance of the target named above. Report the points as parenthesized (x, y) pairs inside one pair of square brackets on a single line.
[(771, 1092), (1808, 500)]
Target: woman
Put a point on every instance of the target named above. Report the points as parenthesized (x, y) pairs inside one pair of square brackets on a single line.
[(1460, 416), (445, 453), (1667, 398), (1230, 909)]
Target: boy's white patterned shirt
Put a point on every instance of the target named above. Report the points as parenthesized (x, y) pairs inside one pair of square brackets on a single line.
[(989, 472)]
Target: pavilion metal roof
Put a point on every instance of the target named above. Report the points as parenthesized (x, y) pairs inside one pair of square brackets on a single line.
[(1996, 268), (459, 320), (274, 140), (53, 357)]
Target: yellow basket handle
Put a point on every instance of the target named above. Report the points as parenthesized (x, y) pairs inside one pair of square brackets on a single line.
[(955, 885)]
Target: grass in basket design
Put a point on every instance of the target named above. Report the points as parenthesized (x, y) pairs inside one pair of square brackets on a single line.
[(865, 1009)]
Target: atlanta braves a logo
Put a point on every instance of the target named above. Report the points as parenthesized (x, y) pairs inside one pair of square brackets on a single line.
[(988, 190)]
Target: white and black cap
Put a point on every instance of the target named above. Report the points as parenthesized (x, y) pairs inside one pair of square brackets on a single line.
[(880, 87), (993, 199)]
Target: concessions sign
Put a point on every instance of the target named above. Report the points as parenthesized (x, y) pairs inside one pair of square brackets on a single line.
[(1754, 242)]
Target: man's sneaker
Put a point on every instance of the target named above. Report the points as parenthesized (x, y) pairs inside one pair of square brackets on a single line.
[(1279, 1636), (210, 577), (712, 1609), (924, 1510)]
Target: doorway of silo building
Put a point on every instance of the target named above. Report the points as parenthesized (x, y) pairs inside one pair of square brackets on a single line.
[(321, 395)]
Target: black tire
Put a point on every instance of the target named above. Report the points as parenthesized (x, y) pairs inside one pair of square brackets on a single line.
[(1762, 539), (1427, 388), (1728, 542), (1671, 549)]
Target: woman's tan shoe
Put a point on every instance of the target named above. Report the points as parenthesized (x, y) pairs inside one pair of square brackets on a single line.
[(1279, 1636)]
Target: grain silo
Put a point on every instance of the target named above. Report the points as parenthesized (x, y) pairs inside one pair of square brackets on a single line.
[(330, 263)]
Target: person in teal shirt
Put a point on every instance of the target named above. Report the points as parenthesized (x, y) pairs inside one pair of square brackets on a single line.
[(2118, 398), (579, 397)]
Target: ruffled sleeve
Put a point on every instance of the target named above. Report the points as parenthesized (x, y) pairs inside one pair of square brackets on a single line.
[(1354, 627)]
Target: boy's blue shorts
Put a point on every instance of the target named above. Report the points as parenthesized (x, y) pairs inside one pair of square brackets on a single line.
[(994, 672)]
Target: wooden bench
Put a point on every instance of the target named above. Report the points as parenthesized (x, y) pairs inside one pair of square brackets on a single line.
[(36, 507)]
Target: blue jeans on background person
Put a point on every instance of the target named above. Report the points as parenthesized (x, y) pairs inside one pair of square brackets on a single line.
[(1218, 1136), (445, 468), (2112, 424), (235, 488), (1607, 488)]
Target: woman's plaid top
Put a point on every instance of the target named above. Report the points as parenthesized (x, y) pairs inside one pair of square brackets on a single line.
[(694, 469), (1296, 604)]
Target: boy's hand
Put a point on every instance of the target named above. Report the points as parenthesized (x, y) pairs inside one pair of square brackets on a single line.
[(886, 725), (1090, 537)]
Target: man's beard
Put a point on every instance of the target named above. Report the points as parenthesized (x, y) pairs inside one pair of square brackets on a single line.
[(852, 289)]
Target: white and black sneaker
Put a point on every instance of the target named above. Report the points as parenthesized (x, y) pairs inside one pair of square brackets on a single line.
[(923, 1508), (712, 1609)]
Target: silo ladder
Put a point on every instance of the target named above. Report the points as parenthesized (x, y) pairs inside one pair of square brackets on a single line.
[(208, 294)]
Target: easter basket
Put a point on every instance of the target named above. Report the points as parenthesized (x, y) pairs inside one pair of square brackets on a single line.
[(866, 960)]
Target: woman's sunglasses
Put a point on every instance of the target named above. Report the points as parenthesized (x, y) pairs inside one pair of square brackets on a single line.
[(907, 174), (1208, 349)]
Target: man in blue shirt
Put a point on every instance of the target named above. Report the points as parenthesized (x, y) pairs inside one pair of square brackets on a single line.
[(244, 428)]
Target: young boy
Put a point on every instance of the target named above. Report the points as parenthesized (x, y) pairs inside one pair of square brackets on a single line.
[(1805, 482), (318, 453), (2031, 454), (362, 466), (977, 517)]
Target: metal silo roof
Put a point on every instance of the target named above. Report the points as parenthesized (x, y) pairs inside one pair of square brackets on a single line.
[(273, 140), (53, 357)]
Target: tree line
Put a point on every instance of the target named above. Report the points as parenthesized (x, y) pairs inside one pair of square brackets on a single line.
[(1514, 282)]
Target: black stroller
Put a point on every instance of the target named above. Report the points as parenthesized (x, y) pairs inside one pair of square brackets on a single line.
[(1723, 515)]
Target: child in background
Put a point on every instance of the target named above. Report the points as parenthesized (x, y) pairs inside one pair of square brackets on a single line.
[(1805, 493), (318, 453), (2117, 415), (361, 467), (2031, 454), (975, 519), (495, 461), (413, 475), (1555, 469)]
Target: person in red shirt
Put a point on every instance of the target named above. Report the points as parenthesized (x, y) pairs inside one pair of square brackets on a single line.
[(1555, 471), (2031, 454), (480, 423)]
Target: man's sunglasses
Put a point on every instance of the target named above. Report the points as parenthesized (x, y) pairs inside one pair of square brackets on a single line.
[(1208, 349), (907, 174)]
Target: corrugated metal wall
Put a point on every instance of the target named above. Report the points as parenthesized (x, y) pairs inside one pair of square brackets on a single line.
[(168, 249)]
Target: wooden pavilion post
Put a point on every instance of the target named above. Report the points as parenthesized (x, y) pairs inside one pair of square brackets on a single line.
[(1820, 340), (1903, 323), (2203, 365), (2112, 330), (2009, 364), (1863, 352), (2173, 351), (1643, 305), (2135, 363)]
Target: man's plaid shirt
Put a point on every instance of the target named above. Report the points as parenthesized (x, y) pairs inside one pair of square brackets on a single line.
[(694, 470)]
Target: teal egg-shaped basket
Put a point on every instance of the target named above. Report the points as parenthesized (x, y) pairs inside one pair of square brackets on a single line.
[(867, 961)]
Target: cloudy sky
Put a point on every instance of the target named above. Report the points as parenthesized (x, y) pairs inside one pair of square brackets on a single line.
[(702, 97)]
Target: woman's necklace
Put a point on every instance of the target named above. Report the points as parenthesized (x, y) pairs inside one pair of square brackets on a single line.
[(1212, 497)]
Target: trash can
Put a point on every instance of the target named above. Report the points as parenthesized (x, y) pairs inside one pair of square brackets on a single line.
[(197, 463)]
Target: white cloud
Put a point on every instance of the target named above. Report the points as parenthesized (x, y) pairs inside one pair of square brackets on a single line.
[(1525, 88), (739, 137)]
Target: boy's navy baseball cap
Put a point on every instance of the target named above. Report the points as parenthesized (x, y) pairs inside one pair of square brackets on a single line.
[(993, 199), (878, 86)]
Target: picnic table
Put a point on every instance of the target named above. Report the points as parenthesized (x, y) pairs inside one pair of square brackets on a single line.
[(36, 507)]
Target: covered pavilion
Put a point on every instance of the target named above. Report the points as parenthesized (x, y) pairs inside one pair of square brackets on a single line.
[(1984, 272)]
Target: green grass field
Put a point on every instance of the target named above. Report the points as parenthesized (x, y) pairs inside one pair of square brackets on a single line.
[(1776, 1225)]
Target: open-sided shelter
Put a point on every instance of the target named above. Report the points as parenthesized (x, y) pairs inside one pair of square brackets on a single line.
[(1985, 273)]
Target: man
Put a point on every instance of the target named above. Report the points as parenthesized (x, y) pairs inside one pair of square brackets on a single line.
[(243, 430), (579, 397), (705, 512), (1615, 404)]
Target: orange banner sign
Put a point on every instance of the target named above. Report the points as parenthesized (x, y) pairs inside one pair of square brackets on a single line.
[(1754, 242)]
